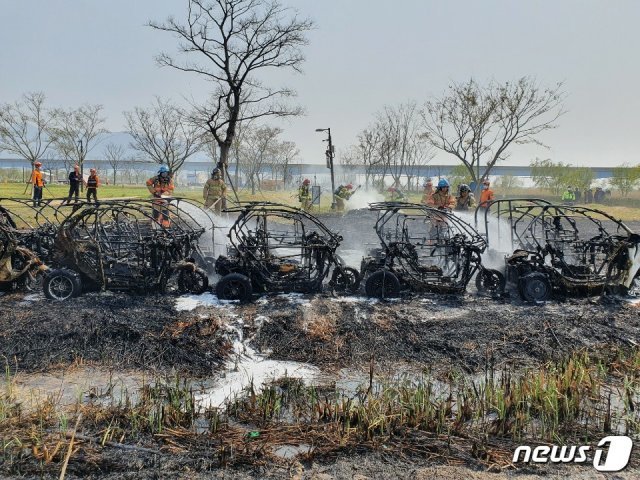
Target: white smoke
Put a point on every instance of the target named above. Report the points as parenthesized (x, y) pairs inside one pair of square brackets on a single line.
[(497, 232), (362, 199)]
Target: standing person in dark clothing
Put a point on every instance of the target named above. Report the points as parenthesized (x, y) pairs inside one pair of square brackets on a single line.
[(74, 184), (93, 182), (577, 193)]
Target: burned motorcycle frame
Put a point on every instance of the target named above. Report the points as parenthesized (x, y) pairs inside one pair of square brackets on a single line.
[(35, 227), (424, 249), (20, 268), (568, 250), (125, 245), (278, 248)]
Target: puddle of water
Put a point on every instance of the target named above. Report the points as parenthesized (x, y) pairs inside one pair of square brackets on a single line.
[(77, 384), (291, 451)]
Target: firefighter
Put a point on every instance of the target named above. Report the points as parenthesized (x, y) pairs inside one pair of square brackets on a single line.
[(486, 195), (395, 194), (160, 186), (38, 183), (441, 198), (93, 182), (568, 196), (427, 192), (74, 184), (465, 199), (215, 192), (304, 194), (343, 192)]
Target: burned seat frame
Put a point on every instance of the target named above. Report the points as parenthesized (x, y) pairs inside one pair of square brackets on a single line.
[(278, 248), (568, 249), (423, 249)]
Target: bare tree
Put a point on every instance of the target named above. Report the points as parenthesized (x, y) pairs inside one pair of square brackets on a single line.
[(230, 42), (287, 153), (368, 142), (477, 124), (163, 133), (77, 130), (399, 146), (115, 155), (25, 127), (258, 150)]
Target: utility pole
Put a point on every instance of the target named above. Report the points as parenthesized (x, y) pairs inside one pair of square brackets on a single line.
[(81, 159), (329, 154)]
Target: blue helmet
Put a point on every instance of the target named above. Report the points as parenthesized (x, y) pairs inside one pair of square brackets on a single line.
[(163, 169), (443, 183)]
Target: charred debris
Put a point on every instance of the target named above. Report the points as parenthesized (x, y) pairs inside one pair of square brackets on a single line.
[(167, 246)]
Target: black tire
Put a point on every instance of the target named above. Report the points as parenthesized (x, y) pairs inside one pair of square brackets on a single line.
[(490, 281), (62, 284), (535, 287), (195, 281), (382, 284), (345, 279), (235, 286)]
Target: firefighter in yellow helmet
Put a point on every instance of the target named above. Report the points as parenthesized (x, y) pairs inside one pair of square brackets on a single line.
[(215, 192), (304, 194)]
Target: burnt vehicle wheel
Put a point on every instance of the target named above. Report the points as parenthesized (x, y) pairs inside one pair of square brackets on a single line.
[(345, 280), (62, 284), (235, 286), (490, 281), (195, 281), (382, 284), (634, 288), (535, 287)]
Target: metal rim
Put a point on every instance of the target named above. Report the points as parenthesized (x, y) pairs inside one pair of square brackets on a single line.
[(61, 287), (233, 290), (193, 281), (536, 289), (345, 279), (490, 280)]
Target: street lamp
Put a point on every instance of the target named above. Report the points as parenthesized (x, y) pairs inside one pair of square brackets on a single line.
[(329, 154), (81, 166)]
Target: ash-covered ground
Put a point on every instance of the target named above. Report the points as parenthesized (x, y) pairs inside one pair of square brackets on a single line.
[(199, 337), (469, 332)]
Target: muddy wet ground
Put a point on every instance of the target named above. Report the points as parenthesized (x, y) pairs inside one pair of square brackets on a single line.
[(105, 334), (469, 332)]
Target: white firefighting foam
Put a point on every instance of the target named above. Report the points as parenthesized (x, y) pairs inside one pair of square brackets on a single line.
[(250, 368)]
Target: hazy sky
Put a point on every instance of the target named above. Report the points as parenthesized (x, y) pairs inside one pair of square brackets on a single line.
[(363, 54)]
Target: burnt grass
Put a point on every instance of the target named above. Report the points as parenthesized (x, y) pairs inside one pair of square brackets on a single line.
[(112, 329), (468, 332), (439, 332)]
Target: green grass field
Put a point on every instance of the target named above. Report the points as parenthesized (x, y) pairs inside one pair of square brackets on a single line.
[(17, 190)]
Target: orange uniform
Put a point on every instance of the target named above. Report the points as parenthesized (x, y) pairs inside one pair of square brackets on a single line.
[(36, 178), (486, 196), (158, 186)]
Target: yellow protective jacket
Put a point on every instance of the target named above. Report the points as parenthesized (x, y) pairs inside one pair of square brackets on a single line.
[(214, 189), (442, 200), (303, 192)]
